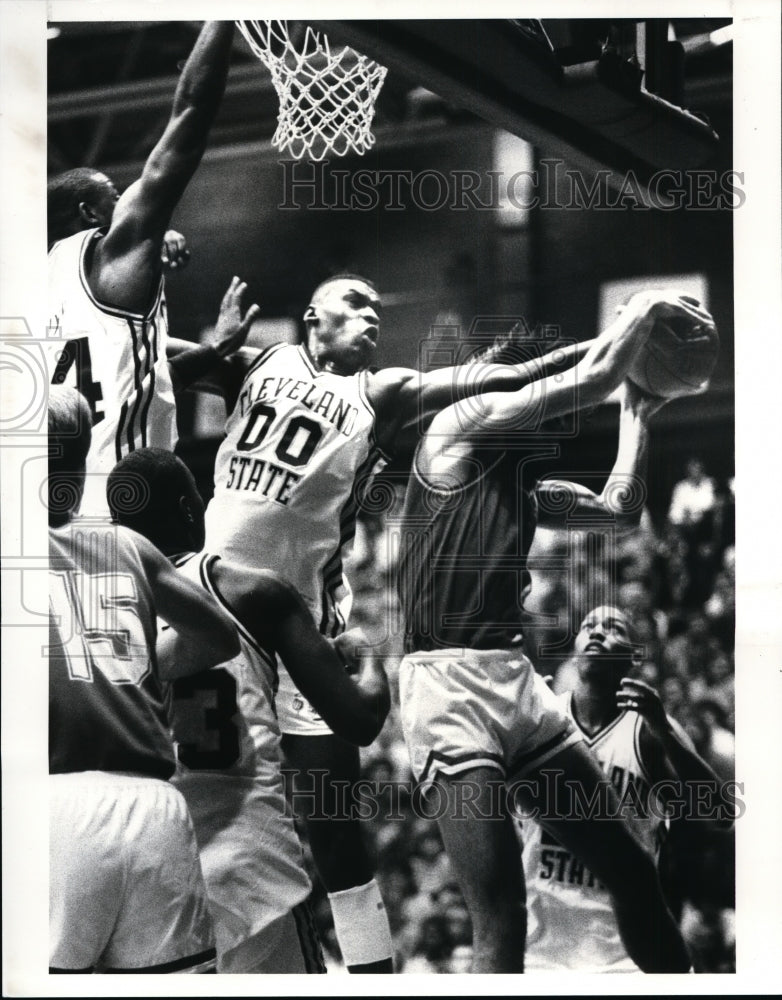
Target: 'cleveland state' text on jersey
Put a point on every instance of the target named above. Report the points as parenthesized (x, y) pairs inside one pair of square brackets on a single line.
[(115, 358), (463, 555), (298, 445), (570, 920), (107, 710)]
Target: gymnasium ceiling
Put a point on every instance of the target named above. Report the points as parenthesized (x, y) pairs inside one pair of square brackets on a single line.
[(111, 84)]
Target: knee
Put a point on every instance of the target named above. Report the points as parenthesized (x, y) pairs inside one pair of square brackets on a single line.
[(339, 854)]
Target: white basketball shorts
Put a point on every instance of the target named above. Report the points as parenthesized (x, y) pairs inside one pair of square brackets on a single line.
[(125, 885), (462, 709)]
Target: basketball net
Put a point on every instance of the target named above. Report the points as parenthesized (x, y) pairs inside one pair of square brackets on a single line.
[(327, 99)]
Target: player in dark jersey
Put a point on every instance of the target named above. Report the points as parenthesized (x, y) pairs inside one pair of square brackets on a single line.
[(474, 712), (126, 891), (342, 328)]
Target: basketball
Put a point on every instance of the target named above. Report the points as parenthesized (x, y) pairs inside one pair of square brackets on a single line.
[(677, 359)]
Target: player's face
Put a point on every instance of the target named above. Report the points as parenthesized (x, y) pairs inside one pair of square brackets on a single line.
[(603, 639), (347, 315), (103, 199)]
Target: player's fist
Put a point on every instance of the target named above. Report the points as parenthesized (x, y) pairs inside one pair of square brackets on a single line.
[(174, 253)]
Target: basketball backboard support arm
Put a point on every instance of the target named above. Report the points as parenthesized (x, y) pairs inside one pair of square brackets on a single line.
[(586, 113)]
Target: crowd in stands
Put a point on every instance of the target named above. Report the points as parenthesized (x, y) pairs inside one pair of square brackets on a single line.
[(676, 581)]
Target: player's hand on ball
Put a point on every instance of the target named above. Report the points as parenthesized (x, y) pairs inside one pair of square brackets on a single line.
[(174, 253), (232, 328), (639, 401), (669, 304), (640, 697)]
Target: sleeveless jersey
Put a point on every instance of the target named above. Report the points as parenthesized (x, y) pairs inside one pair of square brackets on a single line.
[(299, 445), (463, 570), (570, 922), (107, 709), (229, 757), (115, 358)]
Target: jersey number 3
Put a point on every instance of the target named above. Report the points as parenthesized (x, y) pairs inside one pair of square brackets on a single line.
[(204, 709)]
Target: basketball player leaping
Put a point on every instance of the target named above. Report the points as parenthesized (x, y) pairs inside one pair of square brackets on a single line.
[(474, 712), (308, 426), (126, 892), (227, 731), (107, 330), (651, 763)]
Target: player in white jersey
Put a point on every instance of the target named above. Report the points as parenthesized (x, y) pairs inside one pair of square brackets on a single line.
[(274, 435), (297, 442), (649, 761), (229, 757), (126, 889), (107, 329)]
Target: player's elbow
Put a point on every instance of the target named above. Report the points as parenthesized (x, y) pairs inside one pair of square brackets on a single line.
[(227, 646), (220, 643), (367, 728)]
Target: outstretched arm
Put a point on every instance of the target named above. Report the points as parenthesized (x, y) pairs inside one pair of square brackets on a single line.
[(128, 260), (406, 400), (598, 374), (275, 615), (195, 618), (624, 492)]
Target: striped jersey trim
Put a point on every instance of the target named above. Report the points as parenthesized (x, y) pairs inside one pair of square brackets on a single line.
[(594, 738), (204, 961), (265, 353), (145, 356), (205, 571), (450, 764)]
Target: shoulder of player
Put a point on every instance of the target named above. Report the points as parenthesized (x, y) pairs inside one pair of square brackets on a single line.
[(250, 591), (387, 386), (152, 559), (132, 240)]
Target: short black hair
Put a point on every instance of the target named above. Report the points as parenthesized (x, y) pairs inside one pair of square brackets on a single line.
[(144, 488), (63, 195), (343, 276), (508, 347)]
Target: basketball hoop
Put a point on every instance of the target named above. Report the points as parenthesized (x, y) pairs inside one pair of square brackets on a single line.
[(327, 99)]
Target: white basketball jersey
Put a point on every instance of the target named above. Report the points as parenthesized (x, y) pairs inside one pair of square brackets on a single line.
[(297, 443), (570, 922), (116, 359), (228, 749)]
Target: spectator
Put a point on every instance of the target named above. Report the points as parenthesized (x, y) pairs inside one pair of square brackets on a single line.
[(693, 498), (689, 654), (692, 512), (432, 948)]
